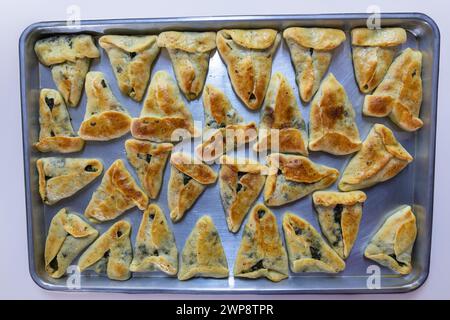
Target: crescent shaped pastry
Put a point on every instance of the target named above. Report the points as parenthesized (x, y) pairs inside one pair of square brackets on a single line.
[(248, 55), (393, 243), (381, 158), (105, 118), (308, 252), (117, 193), (60, 178), (373, 51), (56, 132), (294, 177), (261, 253), (332, 126), (155, 247), (67, 236), (110, 253), (203, 254), (311, 51), (164, 116), (339, 216), (282, 126), (189, 53), (131, 58)]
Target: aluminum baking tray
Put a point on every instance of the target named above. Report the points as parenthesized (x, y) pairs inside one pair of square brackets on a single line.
[(412, 186)]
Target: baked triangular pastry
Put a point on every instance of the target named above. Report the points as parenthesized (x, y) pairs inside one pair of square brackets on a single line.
[(332, 126), (69, 57), (248, 55), (164, 116), (155, 247), (203, 254), (261, 253), (393, 243), (189, 52), (105, 118), (339, 216), (381, 158), (188, 179), (311, 51), (56, 132), (308, 252), (67, 236), (149, 160), (373, 52), (60, 178), (131, 58), (117, 193), (224, 127), (282, 127), (399, 95), (110, 253), (294, 177), (241, 182)]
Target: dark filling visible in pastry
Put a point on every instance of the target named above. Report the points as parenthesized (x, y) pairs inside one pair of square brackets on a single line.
[(315, 253), (393, 256), (104, 83), (90, 168), (239, 187), (261, 213), (186, 179), (50, 102), (132, 54), (297, 231), (337, 219), (54, 263), (257, 266), (146, 156)]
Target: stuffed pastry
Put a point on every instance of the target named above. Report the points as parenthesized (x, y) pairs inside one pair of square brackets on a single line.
[(381, 158), (189, 53), (155, 247), (56, 132), (110, 253), (393, 243), (248, 55), (294, 177), (203, 254), (308, 252), (311, 51), (117, 193), (67, 236), (105, 118), (60, 178), (339, 215), (332, 126), (282, 127), (131, 58), (261, 253)]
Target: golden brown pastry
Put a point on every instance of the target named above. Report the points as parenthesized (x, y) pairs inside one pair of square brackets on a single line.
[(393, 243), (68, 235), (60, 178), (105, 118), (155, 247), (311, 51), (189, 52), (203, 254), (56, 132), (241, 182), (282, 127), (381, 158), (332, 126), (373, 52), (399, 95), (110, 253), (224, 127), (188, 179), (149, 160), (339, 216), (294, 177), (117, 193), (131, 58), (308, 252), (164, 116), (261, 253), (248, 55)]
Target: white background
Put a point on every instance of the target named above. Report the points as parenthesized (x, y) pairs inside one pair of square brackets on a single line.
[(15, 281)]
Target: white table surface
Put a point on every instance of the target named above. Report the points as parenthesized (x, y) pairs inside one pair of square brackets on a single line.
[(15, 281)]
